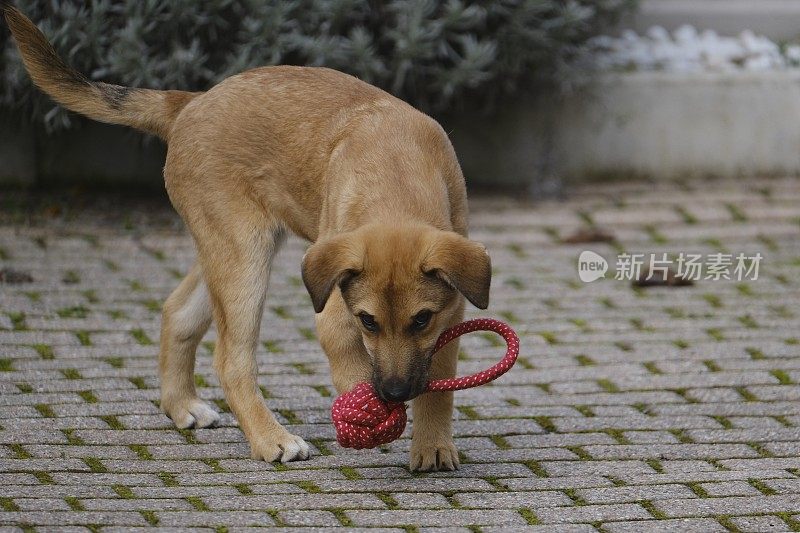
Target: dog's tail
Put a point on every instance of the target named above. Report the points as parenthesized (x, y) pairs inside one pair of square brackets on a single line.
[(144, 109)]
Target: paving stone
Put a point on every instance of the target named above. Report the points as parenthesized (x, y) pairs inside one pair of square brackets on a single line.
[(730, 488), (634, 493), (592, 513), (728, 505), (515, 500), (421, 500), (444, 517), (698, 525), (759, 524), (309, 518), (625, 406)]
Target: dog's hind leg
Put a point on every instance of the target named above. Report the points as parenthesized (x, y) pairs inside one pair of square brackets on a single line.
[(186, 318)]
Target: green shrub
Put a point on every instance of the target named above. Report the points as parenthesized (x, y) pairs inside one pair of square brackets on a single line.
[(432, 54)]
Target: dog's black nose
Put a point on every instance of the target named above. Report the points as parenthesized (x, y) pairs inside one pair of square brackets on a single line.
[(395, 390)]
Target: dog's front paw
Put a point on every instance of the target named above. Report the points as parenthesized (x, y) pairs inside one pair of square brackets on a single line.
[(190, 412), (279, 446), (433, 456)]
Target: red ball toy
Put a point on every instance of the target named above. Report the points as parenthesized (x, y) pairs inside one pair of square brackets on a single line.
[(363, 420)]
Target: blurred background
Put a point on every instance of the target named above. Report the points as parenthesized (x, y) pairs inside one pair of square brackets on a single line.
[(536, 94)]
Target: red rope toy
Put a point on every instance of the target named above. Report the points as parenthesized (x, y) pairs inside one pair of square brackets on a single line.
[(363, 420)]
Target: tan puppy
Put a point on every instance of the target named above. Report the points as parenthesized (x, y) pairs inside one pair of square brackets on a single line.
[(372, 182)]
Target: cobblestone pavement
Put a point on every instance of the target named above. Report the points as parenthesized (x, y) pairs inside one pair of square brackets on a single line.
[(630, 408)]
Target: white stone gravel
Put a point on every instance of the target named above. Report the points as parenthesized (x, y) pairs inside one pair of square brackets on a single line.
[(688, 50)]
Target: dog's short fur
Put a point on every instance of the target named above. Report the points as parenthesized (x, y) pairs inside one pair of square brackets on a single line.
[(372, 182)]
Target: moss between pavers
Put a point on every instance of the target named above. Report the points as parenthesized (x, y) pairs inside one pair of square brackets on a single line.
[(95, 465), (272, 346), (607, 385), (168, 479), (138, 382), (71, 373), (112, 421), (762, 487), (72, 439), (323, 391), (24, 387), (289, 415), (281, 312), (150, 516), (274, 514), (74, 503), (91, 296), (18, 321), (725, 521), (70, 277), (307, 334), (188, 435), (308, 486), (388, 500), (44, 410), (529, 516), (573, 495), (43, 477), (88, 396), (652, 509), (33, 296), (736, 213), (7, 504), (341, 516), (792, 522), (141, 451), (350, 473), (760, 449), (302, 369), (197, 503), (19, 451), (546, 423), (222, 405), (723, 421), (746, 394), (115, 362), (84, 337), (214, 465), (681, 344), (655, 464), (468, 411), (154, 306), (782, 377), (618, 435), (141, 337), (77, 311), (243, 489), (681, 435), (500, 442), (652, 367), (536, 468)]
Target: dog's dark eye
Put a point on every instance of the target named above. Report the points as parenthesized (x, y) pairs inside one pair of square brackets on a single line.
[(421, 320), (368, 321)]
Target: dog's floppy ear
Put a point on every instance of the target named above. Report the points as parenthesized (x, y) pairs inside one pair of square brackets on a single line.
[(327, 263), (462, 263)]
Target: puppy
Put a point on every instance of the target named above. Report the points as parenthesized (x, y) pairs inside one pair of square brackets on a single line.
[(373, 183)]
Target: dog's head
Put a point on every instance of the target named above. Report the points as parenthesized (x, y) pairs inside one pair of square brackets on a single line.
[(403, 287)]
